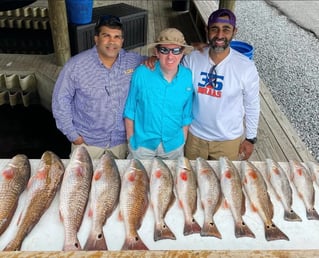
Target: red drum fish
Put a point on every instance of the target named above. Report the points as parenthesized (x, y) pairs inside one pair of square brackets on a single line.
[(74, 195), (41, 190), (280, 183), (104, 196), (13, 181), (186, 188), (231, 188), (257, 193), (161, 197), (302, 179), (134, 203), (210, 196)]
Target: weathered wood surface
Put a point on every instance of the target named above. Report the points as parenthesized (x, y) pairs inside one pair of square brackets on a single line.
[(277, 138)]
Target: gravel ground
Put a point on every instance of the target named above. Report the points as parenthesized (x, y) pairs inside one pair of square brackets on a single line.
[(287, 59)]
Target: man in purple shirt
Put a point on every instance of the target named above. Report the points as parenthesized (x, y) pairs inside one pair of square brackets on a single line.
[(91, 90)]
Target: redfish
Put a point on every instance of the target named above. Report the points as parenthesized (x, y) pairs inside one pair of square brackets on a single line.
[(210, 196), (231, 188), (186, 188), (134, 203), (280, 183), (74, 195), (303, 181), (13, 181), (257, 193), (41, 190), (104, 196), (161, 197)]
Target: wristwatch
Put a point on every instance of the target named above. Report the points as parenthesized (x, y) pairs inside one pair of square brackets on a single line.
[(252, 141)]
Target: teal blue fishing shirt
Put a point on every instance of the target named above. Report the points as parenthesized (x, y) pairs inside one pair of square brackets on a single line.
[(159, 109)]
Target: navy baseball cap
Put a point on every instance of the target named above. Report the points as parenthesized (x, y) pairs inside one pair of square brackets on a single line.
[(216, 17)]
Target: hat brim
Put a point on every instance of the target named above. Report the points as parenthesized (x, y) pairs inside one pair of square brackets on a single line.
[(187, 48)]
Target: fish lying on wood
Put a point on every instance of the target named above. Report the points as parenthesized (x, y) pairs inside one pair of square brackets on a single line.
[(41, 190), (74, 195), (104, 196), (231, 188), (279, 181), (314, 170), (210, 196), (301, 178), (186, 188), (134, 203), (257, 193), (13, 181), (161, 197)]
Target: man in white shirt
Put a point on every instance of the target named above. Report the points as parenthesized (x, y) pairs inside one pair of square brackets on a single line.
[(226, 105)]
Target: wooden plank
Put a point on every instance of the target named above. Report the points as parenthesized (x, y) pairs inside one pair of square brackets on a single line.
[(282, 129)]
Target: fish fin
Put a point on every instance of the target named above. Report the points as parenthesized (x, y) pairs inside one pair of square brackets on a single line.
[(242, 230), (253, 208), (120, 217), (210, 229), (272, 232), (312, 214), (162, 231), (225, 204), (191, 227), (134, 243), (95, 242), (291, 215), (90, 212)]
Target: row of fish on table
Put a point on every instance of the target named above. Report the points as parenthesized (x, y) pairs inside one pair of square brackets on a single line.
[(104, 188)]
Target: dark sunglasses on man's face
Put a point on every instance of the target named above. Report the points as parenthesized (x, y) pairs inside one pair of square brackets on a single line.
[(175, 51)]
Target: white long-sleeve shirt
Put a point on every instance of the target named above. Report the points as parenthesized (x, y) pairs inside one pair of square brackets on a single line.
[(223, 111)]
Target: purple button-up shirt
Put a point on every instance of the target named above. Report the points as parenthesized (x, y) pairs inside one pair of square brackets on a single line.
[(88, 98)]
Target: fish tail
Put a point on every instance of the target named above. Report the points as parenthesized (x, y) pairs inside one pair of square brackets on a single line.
[(272, 232), (96, 242), (242, 230), (72, 245), (291, 215), (13, 245), (191, 227), (210, 229), (134, 243), (312, 214), (162, 231)]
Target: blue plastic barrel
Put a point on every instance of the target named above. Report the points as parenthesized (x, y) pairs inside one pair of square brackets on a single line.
[(79, 11), (243, 47)]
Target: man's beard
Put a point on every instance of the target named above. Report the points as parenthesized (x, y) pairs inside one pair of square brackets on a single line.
[(218, 48)]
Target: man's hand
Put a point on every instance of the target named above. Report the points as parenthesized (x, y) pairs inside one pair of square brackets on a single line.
[(150, 62), (78, 141), (245, 150)]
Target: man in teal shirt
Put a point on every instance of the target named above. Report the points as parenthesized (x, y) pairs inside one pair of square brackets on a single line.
[(158, 108)]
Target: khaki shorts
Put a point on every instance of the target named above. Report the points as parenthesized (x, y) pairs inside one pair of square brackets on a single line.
[(119, 151), (211, 150)]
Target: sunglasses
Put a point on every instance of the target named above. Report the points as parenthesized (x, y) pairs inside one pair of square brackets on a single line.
[(212, 76), (174, 51)]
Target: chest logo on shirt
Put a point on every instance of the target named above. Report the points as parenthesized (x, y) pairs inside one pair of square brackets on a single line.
[(210, 84)]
